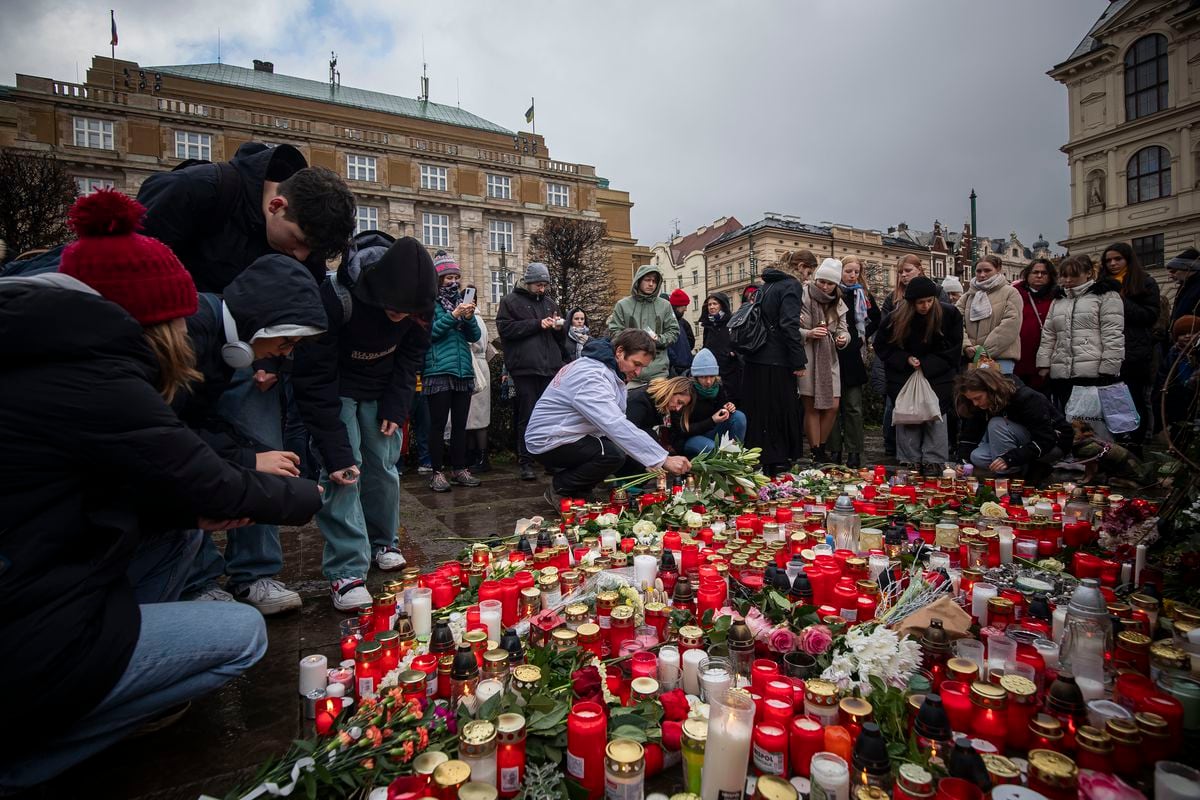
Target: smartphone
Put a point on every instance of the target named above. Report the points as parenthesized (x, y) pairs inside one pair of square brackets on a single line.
[(469, 295)]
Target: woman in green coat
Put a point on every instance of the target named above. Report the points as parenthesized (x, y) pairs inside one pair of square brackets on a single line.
[(449, 377)]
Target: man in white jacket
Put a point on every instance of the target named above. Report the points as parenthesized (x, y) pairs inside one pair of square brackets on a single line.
[(578, 427)]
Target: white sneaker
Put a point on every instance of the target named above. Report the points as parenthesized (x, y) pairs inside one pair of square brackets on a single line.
[(268, 595), (214, 592), (349, 594), (389, 558)]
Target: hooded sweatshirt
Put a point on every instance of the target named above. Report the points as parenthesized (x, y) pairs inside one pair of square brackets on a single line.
[(276, 291), (94, 463), (366, 357), (186, 210), (588, 397), (651, 313)]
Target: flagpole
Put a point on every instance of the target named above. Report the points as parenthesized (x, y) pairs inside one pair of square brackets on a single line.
[(112, 16), (534, 107)]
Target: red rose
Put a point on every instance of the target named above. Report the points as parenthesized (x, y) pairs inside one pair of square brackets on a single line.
[(585, 684), (654, 760), (672, 732), (675, 705)]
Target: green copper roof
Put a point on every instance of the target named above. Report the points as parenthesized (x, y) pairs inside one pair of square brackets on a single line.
[(276, 83)]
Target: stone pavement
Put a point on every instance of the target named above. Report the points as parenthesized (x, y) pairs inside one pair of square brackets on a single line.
[(223, 738)]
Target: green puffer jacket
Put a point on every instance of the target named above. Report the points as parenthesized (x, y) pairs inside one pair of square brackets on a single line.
[(450, 348), (648, 312)]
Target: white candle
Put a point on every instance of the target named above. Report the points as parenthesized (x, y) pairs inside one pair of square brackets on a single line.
[(980, 595), (1058, 620), (314, 673), (877, 563), (830, 777), (489, 615), (422, 612), (1126, 572), (1139, 564), (668, 654), (691, 671), (335, 690), (714, 680), (727, 752), (645, 570), (1006, 544), (608, 539), (485, 690)]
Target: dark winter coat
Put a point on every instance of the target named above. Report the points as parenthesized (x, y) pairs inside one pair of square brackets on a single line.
[(780, 296), (679, 354), (93, 463), (850, 358), (1141, 319), (700, 421), (190, 211), (365, 357), (274, 290), (716, 340), (1187, 298), (939, 356), (530, 349), (1030, 409), (641, 411)]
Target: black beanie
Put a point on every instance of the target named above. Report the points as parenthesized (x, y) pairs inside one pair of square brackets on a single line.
[(921, 287), (402, 279), (1189, 259)]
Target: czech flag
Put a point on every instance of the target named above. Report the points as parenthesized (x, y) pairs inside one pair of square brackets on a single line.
[(113, 16)]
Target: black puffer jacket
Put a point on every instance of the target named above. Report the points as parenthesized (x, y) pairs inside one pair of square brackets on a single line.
[(1031, 409), (700, 421), (93, 462), (939, 356), (530, 349), (780, 296), (850, 359), (641, 411), (1141, 317)]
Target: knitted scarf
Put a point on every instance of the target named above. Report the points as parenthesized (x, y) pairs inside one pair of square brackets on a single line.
[(708, 320), (709, 393), (860, 307), (981, 306), (449, 297), (824, 352)]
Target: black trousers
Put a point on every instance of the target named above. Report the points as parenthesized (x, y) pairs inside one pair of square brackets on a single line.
[(582, 464), (455, 406), (529, 390)]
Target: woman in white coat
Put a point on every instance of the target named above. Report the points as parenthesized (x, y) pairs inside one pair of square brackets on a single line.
[(479, 416)]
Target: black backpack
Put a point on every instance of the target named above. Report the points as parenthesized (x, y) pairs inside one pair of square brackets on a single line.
[(748, 328)]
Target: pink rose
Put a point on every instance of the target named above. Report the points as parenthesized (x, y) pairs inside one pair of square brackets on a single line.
[(759, 624), (782, 640), (815, 639)]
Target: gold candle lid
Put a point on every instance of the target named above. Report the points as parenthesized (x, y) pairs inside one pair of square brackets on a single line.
[(588, 629), (1053, 768), (622, 613), (1093, 739), (428, 761), (510, 728), (696, 730), (548, 583), (1000, 767), (1173, 657), (1018, 685), (773, 787), (576, 610), (477, 738), (645, 687), (477, 790), (855, 707), (1144, 602), (497, 655), (527, 673), (452, 774), (1131, 639), (962, 667), (531, 593), (607, 599), (819, 687), (1046, 725), (474, 637), (411, 678), (1123, 730), (689, 631), (564, 637), (624, 757), (985, 695), (655, 607), (1151, 723)]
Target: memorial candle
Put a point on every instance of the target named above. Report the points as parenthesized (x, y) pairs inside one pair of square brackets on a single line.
[(806, 739), (314, 673), (691, 671), (830, 777), (727, 751), (587, 734), (422, 614)]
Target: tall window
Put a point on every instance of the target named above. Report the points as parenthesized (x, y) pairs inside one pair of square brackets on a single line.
[(189, 144), (557, 194), (88, 185), (695, 277), (729, 273), (1146, 77), (502, 283), (433, 178), (1149, 250), (435, 230), (1148, 175), (500, 234), (741, 270), (360, 168), (97, 133), (366, 218), (499, 186)]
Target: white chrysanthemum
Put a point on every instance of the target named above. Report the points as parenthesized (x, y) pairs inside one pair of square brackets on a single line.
[(692, 519), (644, 527)]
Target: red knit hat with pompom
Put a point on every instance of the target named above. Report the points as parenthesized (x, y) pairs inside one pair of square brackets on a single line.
[(136, 272)]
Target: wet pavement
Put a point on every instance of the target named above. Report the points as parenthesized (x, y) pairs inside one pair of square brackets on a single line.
[(225, 737)]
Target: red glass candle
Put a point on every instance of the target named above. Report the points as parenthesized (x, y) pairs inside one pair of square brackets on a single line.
[(805, 737), (389, 640), (1077, 534), (510, 754), (348, 645), (1127, 746), (1169, 708), (777, 712), (643, 664), (1086, 565), (383, 611), (367, 668), (779, 689), (867, 606), (710, 597), (958, 789), (989, 717), (328, 709), (819, 582), (510, 594), (846, 599), (443, 593), (770, 750), (1022, 706), (956, 699), (524, 580), (366, 621), (1131, 689), (762, 671), (454, 573), (587, 735), (428, 663)]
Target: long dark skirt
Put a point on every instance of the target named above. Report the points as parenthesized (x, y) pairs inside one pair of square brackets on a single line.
[(775, 420)]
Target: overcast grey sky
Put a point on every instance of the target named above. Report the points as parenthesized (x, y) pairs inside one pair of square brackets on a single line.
[(865, 112)]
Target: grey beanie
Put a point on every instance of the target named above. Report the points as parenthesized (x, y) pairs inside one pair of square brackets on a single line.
[(705, 363), (536, 272), (952, 284), (1187, 260)]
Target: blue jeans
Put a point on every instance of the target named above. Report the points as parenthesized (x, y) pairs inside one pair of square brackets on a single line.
[(161, 566), (735, 426), (418, 427), (183, 651), (1002, 435), (252, 552), (357, 519)]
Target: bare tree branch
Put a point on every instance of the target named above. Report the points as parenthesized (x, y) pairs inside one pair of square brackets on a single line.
[(578, 258), (33, 206)]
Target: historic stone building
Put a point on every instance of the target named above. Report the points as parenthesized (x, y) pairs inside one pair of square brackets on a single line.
[(683, 263), (441, 174), (950, 252), (1133, 99)]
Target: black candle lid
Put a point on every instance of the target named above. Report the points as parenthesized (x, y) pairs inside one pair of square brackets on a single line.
[(465, 665), (870, 750), (932, 721), (441, 638), (510, 641)]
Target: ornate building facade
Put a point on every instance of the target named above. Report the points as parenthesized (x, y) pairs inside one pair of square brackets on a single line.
[(683, 264)]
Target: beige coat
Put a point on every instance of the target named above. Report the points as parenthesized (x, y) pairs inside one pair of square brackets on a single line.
[(811, 316), (999, 334)]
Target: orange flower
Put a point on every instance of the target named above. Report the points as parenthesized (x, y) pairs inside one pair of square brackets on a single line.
[(375, 736), (344, 739), (422, 738), (367, 763), (408, 752), (396, 694), (387, 733)]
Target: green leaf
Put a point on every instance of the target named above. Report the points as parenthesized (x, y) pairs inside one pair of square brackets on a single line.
[(723, 623), (490, 708), (628, 732)]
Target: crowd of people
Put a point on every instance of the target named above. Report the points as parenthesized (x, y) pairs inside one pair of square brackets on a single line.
[(211, 373)]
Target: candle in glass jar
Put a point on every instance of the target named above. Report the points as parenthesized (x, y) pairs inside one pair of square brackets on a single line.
[(587, 733), (770, 750), (806, 739), (830, 777), (645, 570), (1006, 544), (491, 614), (691, 671), (510, 754), (727, 751), (421, 609), (314, 673), (981, 592)]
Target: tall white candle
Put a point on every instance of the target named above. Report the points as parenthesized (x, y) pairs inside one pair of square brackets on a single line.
[(314, 673), (1006, 544), (489, 615), (691, 671), (645, 570), (1058, 620), (1126, 572), (830, 777), (727, 752), (1139, 564), (422, 612), (980, 594), (669, 654)]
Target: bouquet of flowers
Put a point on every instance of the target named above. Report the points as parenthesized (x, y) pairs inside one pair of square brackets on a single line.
[(867, 651), (1133, 523), (727, 470)]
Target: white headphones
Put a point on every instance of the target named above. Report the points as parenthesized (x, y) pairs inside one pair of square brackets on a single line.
[(234, 352)]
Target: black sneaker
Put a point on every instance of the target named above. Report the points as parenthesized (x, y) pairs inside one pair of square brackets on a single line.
[(527, 473), (553, 498), (853, 460)]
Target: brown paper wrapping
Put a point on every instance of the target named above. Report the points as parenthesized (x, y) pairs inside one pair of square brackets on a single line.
[(956, 621)]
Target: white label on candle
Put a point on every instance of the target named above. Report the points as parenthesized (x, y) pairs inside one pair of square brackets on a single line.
[(726, 794), (574, 765), (366, 687), (510, 779), (624, 789), (605, 621), (768, 762)]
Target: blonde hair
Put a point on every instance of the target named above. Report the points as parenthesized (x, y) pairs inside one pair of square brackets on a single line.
[(910, 258), (851, 260), (661, 390), (176, 359)]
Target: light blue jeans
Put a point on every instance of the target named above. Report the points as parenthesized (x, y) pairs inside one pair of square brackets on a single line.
[(183, 651), (252, 552), (735, 426), (1002, 435), (357, 519)]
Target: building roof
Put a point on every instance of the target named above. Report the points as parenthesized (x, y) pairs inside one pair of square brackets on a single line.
[(1090, 42), (275, 83), (797, 226), (698, 239)]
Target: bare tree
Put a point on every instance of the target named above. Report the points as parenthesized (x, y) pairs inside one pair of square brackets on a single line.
[(578, 258), (33, 204)]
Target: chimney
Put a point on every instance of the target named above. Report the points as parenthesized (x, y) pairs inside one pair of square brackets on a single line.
[(263, 66)]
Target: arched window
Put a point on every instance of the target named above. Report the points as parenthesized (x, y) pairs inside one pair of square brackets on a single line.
[(1148, 175), (1146, 77)]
